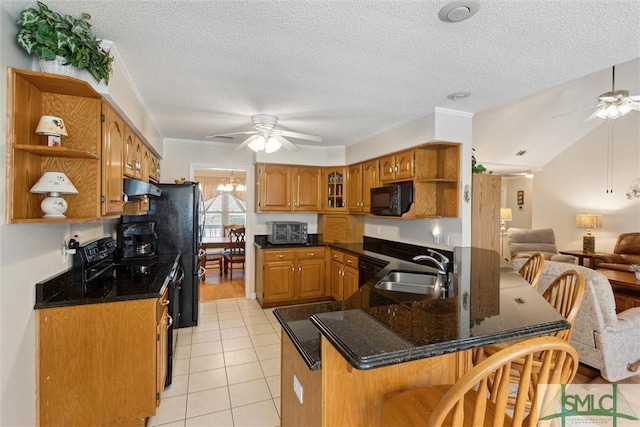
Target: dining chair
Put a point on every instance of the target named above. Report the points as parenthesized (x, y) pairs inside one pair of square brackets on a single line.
[(480, 397), (531, 270), (215, 257), (235, 253)]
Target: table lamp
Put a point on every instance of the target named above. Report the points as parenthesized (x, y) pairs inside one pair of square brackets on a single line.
[(51, 128), (54, 183), (505, 215), (589, 222)]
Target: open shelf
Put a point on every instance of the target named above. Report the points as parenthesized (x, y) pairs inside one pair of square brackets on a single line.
[(46, 151)]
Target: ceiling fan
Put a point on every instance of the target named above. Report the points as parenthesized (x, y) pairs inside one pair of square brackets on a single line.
[(615, 103), (266, 137)]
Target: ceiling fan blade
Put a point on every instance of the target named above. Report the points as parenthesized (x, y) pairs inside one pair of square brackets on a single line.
[(574, 111), (635, 105), (246, 142), (231, 134), (286, 144), (594, 115), (299, 135)]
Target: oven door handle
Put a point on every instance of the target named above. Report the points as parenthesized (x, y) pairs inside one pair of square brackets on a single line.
[(180, 273)]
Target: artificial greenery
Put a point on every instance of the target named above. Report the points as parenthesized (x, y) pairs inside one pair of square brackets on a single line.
[(475, 166), (635, 267), (47, 34)]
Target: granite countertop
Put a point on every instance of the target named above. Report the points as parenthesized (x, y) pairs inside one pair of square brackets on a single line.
[(487, 302), (66, 289)]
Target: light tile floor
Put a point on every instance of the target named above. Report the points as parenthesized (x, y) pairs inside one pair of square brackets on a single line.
[(226, 371)]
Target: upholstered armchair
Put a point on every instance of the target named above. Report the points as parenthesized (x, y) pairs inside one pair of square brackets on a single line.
[(524, 242), (604, 340), (625, 253)]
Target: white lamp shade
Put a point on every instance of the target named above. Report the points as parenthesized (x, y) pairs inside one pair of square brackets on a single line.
[(505, 214), (51, 125), (272, 145), (258, 144), (54, 182)]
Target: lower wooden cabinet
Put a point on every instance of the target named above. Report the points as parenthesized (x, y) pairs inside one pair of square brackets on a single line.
[(344, 274), (290, 275), (100, 364), (625, 299)]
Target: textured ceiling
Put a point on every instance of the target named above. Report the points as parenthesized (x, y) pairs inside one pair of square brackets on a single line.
[(347, 70)]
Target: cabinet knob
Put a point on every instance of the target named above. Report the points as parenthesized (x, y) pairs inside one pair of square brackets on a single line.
[(311, 254), (164, 303), (280, 256), (349, 261), (170, 320), (390, 169), (395, 168)]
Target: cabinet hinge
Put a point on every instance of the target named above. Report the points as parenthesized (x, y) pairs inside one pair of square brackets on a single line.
[(102, 118), (157, 337), (157, 396), (101, 199)]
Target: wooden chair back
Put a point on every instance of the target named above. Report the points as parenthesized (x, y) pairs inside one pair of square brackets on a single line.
[(531, 270), (236, 240), (480, 397), (565, 295)]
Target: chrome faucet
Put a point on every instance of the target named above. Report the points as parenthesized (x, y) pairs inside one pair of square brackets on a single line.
[(442, 263)]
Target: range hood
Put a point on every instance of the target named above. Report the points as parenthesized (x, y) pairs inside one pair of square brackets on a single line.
[(135, 187)]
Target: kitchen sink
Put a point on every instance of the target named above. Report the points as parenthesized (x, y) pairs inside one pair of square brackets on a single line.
[(415, 283)]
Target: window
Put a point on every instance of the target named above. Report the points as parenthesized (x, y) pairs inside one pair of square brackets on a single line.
[(223, 209)]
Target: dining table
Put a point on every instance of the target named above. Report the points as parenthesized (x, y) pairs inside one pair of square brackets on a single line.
[(215, 242)]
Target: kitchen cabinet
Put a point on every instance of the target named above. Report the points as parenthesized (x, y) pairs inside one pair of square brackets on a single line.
[(288, 188), (92, 156), (133, 153), (154, 169), (341, 228), (100, 364), (437, 181), (290, 275), (113, 132), (335, 189), (397, 166), (362, 178), (31, 95), (344, 274)]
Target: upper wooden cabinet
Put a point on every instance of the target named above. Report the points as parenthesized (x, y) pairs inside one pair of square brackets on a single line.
[(287, 188), (485, 211), (436, 182), (133, 154), (113, 131), (362, 177), (30, 96), (92, 156), (397, 167), (335, 185), (154, 169)]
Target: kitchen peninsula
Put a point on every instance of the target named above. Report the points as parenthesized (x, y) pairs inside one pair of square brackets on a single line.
[(340, 359)]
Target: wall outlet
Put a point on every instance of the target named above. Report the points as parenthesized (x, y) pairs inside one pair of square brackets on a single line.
[(378, 230), (446, 240), (297, 388)]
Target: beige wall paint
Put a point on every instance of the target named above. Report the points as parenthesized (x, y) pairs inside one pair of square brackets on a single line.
[(575, 182)]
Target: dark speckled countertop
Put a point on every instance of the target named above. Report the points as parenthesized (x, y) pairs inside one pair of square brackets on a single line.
[(487, 302), (66, 289)]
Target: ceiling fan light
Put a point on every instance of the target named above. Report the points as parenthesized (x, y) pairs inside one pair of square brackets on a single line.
[(272, 145), (258, 144), (624, 109)]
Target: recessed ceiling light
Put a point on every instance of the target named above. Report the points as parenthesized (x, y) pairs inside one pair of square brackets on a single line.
[(456, 96), (457, 11)]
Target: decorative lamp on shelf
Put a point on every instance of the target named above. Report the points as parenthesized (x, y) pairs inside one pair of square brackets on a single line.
[(589, 222), (54, 183), (52, 129)]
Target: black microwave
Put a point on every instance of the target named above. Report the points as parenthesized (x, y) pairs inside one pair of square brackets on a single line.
[(392, 199)]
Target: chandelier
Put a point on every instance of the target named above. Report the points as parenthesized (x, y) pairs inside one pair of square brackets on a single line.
[(230, 185)]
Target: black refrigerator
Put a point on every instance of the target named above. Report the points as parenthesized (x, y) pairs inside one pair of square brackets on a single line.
[(179, 217)]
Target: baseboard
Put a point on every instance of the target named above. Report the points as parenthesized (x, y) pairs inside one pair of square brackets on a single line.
[(588, 371)]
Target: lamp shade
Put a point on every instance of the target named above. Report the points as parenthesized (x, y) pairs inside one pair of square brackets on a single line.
[(505, 214), (54, 182), (588, 221), (51, 125)]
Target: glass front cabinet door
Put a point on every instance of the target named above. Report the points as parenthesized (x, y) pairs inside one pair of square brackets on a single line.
[(335, 188)]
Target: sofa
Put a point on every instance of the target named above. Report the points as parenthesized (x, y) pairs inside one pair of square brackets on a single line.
[(625, 253), (604, 340), (524, 242)]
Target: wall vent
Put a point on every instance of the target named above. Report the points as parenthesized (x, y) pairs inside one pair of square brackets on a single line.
[(521, 153)]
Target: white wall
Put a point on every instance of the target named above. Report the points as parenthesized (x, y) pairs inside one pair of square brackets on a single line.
[(575, 182), (522, 216)]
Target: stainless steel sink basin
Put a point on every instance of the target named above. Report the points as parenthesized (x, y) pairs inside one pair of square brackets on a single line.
[(415, 283)]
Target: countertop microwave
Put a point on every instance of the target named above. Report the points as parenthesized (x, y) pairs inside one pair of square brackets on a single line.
[(287, 233), (392, 199)]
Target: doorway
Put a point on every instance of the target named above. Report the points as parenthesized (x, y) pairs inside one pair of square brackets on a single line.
[(224, 194)]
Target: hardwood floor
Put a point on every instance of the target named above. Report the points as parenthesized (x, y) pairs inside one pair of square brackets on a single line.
[(587, 375), (216, 287)]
